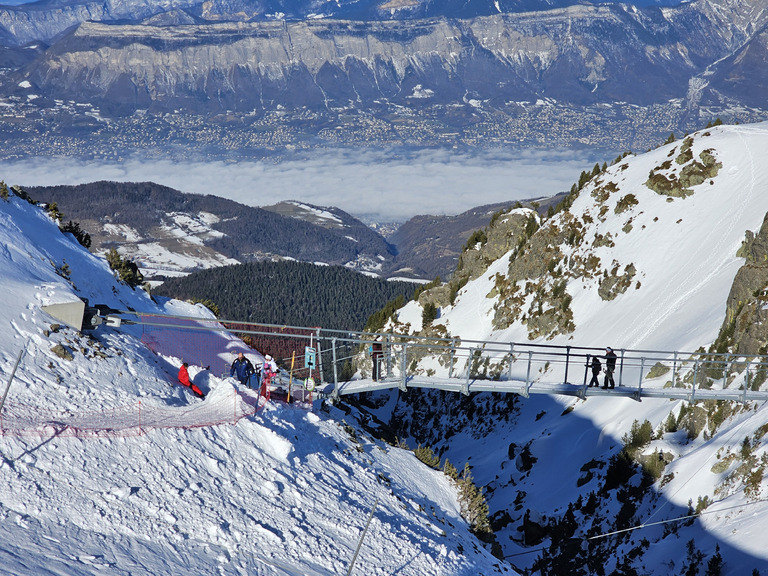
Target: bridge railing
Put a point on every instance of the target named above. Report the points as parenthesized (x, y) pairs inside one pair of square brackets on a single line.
[(404, 359), (397, 359)]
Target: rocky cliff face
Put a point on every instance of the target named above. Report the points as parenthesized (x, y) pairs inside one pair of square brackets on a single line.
[(580, 55), (745, 329), (43, 21)]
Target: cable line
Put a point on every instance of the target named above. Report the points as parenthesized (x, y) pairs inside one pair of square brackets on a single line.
[(639, 526)]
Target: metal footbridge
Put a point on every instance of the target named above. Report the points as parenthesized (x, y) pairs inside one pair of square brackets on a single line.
[(526, 368), (348, 362)]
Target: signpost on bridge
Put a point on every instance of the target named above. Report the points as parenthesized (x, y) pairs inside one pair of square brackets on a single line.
[(310, 357)]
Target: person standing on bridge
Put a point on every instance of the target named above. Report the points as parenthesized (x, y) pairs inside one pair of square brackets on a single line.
[(596, 367), (185, 381), (243, 368), (268, 371), (610, 367)]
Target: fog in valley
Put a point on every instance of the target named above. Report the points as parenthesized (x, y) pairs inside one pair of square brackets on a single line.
[(380, 186)]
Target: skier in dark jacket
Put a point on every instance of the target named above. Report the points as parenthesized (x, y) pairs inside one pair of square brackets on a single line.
[(596, 367), (243, 368), (610, 367), (185, 381)]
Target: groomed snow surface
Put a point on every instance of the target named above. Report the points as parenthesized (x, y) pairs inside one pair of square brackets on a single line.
[(285, 491)]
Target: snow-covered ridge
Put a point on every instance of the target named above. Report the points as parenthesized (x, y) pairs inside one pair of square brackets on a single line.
[(285, 492), (681, 252)]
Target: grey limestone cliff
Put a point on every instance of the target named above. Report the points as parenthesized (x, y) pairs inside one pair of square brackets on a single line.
[(579, 54)]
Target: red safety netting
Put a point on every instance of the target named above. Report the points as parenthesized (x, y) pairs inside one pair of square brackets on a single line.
[(215, 344), (134, 419), (201, 342)]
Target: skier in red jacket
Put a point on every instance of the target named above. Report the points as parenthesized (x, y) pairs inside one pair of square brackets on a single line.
[(185, 381)]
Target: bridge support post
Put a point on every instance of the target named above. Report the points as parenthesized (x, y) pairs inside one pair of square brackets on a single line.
[(567, 363), (465, 386), (389, 355), (404, 369), (450, 360), (674, 368), (695, 377), (583, 392), (527, 392), (621, 368), (746, 383), (636, 395), (335, 372), (511, 359)]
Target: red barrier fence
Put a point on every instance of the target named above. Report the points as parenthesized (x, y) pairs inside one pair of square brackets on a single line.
[(220, 407)]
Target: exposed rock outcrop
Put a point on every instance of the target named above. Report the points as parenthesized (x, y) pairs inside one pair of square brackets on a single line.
[(745, 329), (676, 180), (506, 229)]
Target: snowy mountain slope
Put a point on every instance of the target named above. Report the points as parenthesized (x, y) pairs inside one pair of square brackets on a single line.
[(287, 491), (683, 251), (634, 269), (170, 233)]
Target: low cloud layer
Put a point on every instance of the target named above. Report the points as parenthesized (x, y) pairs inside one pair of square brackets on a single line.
[(381, 186)]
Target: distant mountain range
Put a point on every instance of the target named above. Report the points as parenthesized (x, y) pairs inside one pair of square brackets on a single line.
[(47, 19), (578, 54), (170, 233), (265, 76)]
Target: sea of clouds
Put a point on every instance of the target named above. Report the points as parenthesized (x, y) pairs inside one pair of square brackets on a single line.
[(376, 185)]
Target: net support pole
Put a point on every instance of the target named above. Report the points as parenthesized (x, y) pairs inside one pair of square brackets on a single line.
[(335, 372), (319, 357), (362, 537), (404, 368), (13, 373)]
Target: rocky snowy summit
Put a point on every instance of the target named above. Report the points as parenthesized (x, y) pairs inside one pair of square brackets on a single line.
[(664, 251)]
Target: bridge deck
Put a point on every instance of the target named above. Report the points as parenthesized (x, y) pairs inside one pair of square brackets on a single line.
[(552, 389)]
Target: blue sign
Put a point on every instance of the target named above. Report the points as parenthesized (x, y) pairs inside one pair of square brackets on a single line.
[(310, 355)]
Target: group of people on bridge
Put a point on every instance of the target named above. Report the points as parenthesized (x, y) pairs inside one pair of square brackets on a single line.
[(610, 368), (247, 375), (242, 368)]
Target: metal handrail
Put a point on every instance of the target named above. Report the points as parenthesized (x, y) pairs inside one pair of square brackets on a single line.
[(688, 370)]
